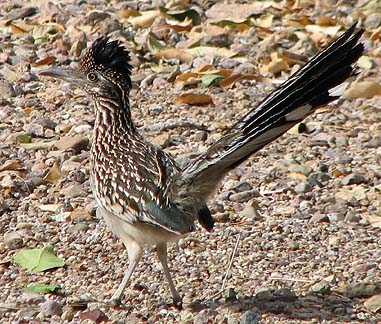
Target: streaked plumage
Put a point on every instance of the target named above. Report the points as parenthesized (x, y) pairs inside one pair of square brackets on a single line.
[(144, 197)]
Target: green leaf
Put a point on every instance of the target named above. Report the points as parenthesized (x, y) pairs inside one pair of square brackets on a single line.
[(37, 260), (181, 15), (154, 45), (210, 80), (43, 289), (23, 138)]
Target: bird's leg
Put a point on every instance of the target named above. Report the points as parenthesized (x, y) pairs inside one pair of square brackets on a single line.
[(135, 252), (161, 250)]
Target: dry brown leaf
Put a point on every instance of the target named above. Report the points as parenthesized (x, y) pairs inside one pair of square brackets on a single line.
[(277, 66), (194, 99), (45, 61), (145, 20), (187, 79), (326, 30), (127, 13), (264, 21), (175, 53), (210, 51), (233, 12), (11, 165), (232, 79), (363, 89), (374, 220), (373, 303), (54, 174)]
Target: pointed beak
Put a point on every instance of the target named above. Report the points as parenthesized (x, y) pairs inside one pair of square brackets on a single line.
[(63, 74)]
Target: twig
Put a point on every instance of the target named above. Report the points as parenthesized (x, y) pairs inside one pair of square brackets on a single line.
[(292, 279), (227, 270)]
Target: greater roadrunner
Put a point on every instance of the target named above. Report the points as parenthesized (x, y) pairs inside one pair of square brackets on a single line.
[(143, 195)]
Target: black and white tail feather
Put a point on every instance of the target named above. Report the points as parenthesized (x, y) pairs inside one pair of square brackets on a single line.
[(319, 82)]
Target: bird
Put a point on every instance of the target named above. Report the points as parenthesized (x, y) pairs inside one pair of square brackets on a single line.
[(144, 196)]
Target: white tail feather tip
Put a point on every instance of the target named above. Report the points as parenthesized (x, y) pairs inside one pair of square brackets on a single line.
[(338, 90)]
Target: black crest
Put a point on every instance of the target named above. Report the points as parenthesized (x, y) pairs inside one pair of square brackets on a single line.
[(109, 56)]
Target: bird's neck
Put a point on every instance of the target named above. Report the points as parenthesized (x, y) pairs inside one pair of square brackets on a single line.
[(114, 116)]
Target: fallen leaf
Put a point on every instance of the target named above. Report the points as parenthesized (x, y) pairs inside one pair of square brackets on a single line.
[(210, 51), (233, 12), (145, 20), (373, 304), (363, 89), (43, 289), (194, 99), (37, 260), (50, 207), (374, 220), (175, 53), (11, 165), (210, 80), (54, 174), (326, 30), (183, 15)]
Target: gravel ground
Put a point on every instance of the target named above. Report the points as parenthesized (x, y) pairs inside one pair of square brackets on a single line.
[(298, 225)]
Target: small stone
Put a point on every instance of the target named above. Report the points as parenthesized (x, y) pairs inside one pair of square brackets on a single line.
[(200, 136), (205, 316), (243, 186), (230, 294), (13, 240), (70, 165), (79, 215), (322, 287), (251, 211), (220, 40), (250, 317), (342, 141), (264, 295), (46, 123), (222, 217), (68, 315), (76, 143), (319, 218), (360, 289), (300, 168), (80, 227), (372, 20), (303, 187), (19, 13), (302, 216), (51, 307), (353, 178), (74, 191), (373, 304), (244, 196)]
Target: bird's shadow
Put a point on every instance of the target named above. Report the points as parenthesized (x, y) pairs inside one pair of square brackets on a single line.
[(286, 304)]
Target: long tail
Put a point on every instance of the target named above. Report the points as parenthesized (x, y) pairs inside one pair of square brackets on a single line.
[(319, 82)]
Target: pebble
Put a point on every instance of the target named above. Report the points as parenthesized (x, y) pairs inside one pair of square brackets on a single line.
[(13, 240), (220, 40), (79, 227), (250, 317), (205, 316), (322, 287), (319, 218), (69, 165), (353, 178), (244, 196), (303, 187), (243, 186), (51, 307), (251, 211), (76, 143)]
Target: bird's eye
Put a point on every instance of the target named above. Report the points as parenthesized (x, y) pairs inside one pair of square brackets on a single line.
[(92, 76)]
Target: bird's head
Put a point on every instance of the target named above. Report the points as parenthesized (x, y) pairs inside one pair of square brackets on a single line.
[(104, 70)]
